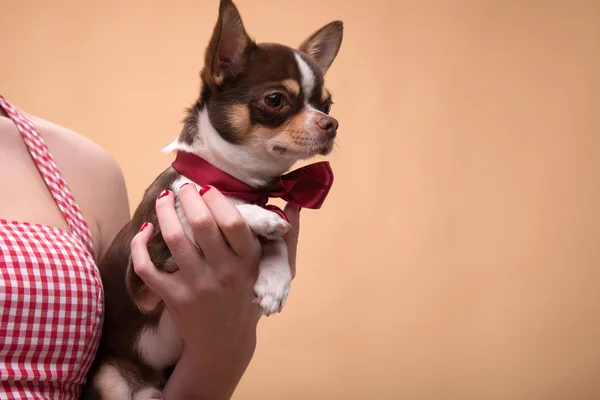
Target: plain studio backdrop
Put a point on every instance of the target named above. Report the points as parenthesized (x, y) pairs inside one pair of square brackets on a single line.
[(458, 256)]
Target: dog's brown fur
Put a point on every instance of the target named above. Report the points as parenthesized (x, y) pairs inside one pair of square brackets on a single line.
[(123, 320)]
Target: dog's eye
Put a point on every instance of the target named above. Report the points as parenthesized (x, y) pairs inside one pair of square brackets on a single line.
[(327, 108), (275, 101)]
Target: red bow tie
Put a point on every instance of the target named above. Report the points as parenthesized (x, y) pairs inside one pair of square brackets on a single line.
[(305, 187)]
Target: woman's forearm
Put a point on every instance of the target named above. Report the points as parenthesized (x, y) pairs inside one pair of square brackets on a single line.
[(203, 377)]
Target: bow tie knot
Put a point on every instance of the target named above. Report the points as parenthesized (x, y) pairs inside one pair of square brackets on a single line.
[(305, 187)]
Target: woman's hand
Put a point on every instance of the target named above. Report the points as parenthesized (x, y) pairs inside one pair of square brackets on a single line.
[(210, 297)]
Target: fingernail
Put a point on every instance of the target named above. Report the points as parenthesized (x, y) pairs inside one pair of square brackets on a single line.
[(181, 187), (144, 226), (204, 189), (164, 193)]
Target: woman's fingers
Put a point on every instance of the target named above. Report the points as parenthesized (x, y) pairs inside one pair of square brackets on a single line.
[(292, 212), (191, 264), (156, 280), (235, 229), (203, 225)]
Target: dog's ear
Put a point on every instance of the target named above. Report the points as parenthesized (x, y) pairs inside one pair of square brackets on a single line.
[(227, 52), (324, 44)]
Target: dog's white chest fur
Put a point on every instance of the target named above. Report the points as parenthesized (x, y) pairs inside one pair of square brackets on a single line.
[(160, 345)]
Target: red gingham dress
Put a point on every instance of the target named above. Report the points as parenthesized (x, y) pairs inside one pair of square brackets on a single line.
[(51, 304)]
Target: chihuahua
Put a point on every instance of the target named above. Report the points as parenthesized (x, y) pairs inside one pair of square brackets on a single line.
[(262, 107)]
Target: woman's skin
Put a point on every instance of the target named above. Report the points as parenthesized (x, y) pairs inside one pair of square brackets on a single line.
[(210, 298), (92, 174)]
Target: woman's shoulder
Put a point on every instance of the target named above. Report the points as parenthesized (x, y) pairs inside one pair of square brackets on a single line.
[(93, 176), (74, 147)]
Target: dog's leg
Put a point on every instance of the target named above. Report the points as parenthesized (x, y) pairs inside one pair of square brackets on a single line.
[(148, 393), (274, 272), (274, 277), (263, 222), (111, 384)]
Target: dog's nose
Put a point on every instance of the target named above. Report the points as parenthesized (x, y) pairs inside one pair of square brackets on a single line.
[(329, 125)]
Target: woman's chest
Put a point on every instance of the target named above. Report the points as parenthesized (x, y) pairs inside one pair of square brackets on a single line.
[(25, 196), (51, 303)]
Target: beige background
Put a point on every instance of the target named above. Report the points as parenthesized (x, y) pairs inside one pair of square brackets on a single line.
[(459, 254)]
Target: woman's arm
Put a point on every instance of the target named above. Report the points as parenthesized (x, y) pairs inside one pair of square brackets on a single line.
[(111, 205), (210, 297)]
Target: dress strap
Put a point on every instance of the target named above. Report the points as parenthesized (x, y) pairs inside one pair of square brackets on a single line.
[(54, 180)]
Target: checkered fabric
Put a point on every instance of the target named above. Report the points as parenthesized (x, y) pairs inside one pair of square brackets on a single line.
[(51, 304)]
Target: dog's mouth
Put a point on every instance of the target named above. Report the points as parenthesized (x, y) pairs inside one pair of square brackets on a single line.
[(326, 148), (305, 150), (279, 149)]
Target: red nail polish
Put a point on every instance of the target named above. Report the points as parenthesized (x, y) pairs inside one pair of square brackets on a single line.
[(164, 193), (204, 189), (144, 226)]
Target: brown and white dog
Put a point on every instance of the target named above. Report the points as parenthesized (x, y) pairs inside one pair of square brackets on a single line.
[(262, 107)]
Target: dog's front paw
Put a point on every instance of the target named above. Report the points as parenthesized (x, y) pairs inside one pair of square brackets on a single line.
[(271, 292), (148, 393), (263, 222), (272, 226)]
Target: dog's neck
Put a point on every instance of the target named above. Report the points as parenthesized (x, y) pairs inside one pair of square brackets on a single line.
[(236, 160)]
